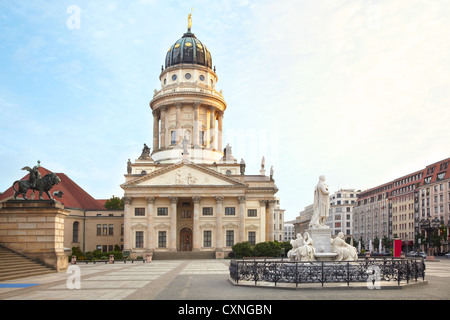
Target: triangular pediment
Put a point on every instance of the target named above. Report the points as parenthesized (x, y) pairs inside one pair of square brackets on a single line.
[(185, 174)]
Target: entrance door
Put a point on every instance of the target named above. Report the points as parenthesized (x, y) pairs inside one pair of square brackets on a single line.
[(186, 239)]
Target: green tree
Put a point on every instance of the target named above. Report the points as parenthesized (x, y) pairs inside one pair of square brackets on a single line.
[(115, 203)]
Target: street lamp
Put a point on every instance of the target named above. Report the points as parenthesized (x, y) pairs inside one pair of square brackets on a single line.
[(430, 226)]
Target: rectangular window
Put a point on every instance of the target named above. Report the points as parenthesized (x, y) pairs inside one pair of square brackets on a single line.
[(173, 137), (105, 229), (99, 229), (252, 213), (208, 211), (162, 239), (111, 230), (162, 211), (139, 211), (230, 211), (207, 238), (252, 237), (139, 239), (230, 238)]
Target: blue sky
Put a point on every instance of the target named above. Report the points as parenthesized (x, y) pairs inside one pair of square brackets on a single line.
[(355, 90)]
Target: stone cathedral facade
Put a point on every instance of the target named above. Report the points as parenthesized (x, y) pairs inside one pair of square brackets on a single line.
[(190, 193)]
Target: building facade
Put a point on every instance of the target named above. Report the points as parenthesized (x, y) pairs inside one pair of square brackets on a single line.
[(395, 209), (340, 219), (289, 231), (190, 193)]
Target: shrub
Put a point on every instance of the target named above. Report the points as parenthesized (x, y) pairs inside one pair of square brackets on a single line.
[(286, 245), (243, 249), (267, 249)]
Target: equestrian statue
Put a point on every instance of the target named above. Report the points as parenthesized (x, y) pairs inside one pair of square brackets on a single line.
[(35, 183)]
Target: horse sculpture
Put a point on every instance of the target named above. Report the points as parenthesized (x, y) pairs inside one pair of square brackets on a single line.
[(44, 184)]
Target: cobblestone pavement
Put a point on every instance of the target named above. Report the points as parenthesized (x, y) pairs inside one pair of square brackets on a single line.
[(199, 280)]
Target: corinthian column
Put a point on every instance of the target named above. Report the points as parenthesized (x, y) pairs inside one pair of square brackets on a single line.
[(241, 218), (196, 125), (263, 204), (163, 127), (219, 130), (155, 130), (195, 224), (127, 223), (219, 231), (173, 223), (213, 128), (150, 223), (270, 229)]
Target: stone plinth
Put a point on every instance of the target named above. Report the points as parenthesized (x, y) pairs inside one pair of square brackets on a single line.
[(321, 238), (322, 244), (35, 228)]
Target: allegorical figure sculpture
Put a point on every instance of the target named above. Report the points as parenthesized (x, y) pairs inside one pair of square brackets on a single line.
[(145, 153), (302, 248), (321, 206), (344, 251), (35, 183)]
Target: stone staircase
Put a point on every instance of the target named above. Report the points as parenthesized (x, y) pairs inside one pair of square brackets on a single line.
[(14, 266), (184, 255)]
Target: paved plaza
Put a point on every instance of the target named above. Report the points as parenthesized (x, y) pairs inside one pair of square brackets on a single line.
[(201, 280)]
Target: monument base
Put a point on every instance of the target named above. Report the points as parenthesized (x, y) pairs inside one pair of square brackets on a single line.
[(35, 228), (321, 238), (327, 256), (322, 243)]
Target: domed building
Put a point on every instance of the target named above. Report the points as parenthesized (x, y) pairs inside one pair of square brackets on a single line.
[(189, 193), (188, 110)]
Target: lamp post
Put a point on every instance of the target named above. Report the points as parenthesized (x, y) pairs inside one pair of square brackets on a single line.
[(430, 225)]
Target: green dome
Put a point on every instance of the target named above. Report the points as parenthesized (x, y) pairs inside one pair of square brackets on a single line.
[(188, 49)]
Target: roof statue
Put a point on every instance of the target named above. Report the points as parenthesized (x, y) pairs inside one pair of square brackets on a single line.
[(35, 183), (190, 20), (145, 155)]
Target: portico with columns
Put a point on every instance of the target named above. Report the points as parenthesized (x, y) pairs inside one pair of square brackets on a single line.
[(191, 207)]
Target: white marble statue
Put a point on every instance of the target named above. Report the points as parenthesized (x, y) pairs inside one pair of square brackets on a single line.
[(321, 206), (344, 251), (295, 243), (302, 248)]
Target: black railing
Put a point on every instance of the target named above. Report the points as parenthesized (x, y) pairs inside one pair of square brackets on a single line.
[(275, 271)]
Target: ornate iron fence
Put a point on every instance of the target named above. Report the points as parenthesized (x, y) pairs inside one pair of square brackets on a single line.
[(378, 269)]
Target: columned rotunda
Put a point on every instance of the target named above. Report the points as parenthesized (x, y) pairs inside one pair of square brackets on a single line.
[(190, 193)]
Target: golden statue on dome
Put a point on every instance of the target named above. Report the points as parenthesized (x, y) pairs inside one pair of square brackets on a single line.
[(190, 19)]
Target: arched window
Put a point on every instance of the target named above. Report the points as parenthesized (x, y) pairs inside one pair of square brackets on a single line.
[(75, 227)]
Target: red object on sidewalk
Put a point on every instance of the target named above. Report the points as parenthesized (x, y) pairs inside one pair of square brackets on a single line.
[(397, 248)]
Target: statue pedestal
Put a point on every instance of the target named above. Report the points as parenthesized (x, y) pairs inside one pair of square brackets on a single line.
[(322, 243), (35, 228)]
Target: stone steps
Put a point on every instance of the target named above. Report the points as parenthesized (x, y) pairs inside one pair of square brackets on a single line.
[(184, 255), (14, 266)]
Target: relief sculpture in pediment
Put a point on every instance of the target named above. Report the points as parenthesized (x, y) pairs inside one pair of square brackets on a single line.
[(185, 178)]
